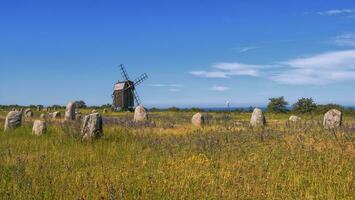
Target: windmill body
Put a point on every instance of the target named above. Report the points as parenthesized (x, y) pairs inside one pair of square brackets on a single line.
[(124, 94)]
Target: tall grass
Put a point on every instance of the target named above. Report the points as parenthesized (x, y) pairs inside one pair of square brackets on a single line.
[(173, 160)]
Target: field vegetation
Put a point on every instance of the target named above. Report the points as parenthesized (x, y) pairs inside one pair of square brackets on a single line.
[(168, 158)]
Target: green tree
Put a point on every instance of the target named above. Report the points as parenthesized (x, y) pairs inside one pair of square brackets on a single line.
[(304, 105), (277, 105), (80, 104)]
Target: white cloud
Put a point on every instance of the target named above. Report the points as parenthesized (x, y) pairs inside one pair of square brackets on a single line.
[(210, 74), (167, 85), (226, 70), (245, 49), (345, 40), (219, 88), (174, 90), (318, 69), (336, 12)]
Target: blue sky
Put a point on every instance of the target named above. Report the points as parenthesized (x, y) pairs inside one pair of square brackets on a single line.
[(196, 53)]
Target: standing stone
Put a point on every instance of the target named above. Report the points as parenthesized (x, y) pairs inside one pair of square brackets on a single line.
[(56, 115), (43, 116), (38, 108), (92, 126), (70, 112), (104, 111), (39, 127), (13, 120), (28, 113), (257, 118), (140, 114), (198, 119), (294, 119), (332, 119)]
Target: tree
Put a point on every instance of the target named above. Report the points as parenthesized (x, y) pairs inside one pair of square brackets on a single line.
[(80, 104), (277, 105), (304, 105)]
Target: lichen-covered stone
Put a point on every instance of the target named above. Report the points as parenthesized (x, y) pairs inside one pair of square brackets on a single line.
[(70, 112), (332, 119), (13, 120), (92, 126), (198, 119), (140, 114), (257, 118), (39, 127)]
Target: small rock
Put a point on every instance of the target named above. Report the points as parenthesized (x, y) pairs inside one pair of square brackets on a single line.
[(198, 119), (13, 120), (70, 112), (43, 116), (140, 114), (39, 127), (332, 119), (94, 111), (92, 126), (257, 118), (28, 113), (56, 115), (294, 118)]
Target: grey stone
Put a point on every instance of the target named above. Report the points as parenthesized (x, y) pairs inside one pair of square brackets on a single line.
[(257, 118), (140, 114), (39, 127), (28, 113), (294, 118), (332, 119), (56, 115), (13, 120), (92, 126), (70, 112), (43, 116), (198, 119)]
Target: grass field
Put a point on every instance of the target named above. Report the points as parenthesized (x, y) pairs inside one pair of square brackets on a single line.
[(170, 159)]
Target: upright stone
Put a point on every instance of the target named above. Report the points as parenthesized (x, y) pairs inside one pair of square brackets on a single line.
[(28, 113), (198, 119), (39, 127), (140, 114), (332, 119), (70, 112), (92, 126), (13, 120), (294, 119), (43, 116), (257, 118), (56, 115), (104, 110)]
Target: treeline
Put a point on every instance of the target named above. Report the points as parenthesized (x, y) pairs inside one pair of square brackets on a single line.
[(275, 105), (303, 106)]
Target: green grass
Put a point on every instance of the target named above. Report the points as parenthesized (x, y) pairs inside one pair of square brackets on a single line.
[(177, 161)]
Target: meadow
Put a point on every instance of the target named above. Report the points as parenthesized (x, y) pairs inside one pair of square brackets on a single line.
[(168, 158)]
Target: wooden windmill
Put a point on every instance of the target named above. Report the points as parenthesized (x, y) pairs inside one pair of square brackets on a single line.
[(124, 93)]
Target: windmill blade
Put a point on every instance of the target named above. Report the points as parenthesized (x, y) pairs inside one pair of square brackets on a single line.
[(124, 72), (136, 98), (140, 79)]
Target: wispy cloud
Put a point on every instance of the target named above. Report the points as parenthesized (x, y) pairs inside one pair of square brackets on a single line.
[(167, 85), (219, 88), (226, 70), (336, 12), (246, 49), (344, 40), (174, 90), (319, 69)]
